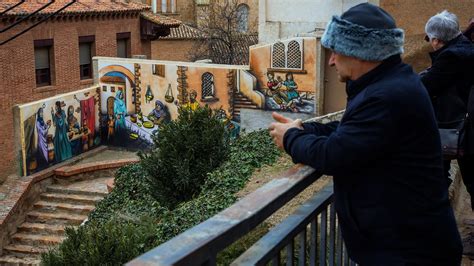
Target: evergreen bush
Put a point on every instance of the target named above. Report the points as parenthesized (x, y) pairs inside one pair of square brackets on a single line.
[(116, 224), (185, 151)]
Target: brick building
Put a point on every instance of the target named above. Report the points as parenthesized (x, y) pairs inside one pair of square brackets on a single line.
[(190, 11), (55, 56), (182, 40)]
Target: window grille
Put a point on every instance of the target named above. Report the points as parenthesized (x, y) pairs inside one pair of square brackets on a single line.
[(288, 55), (294, 55), (207, 85), (278, 55), (242, 18)]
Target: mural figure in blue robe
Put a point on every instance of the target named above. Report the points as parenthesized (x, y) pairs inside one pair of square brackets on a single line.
[(62, 146), (120, 110)]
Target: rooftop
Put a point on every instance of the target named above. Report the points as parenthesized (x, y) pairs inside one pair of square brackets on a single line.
[(79, 7)]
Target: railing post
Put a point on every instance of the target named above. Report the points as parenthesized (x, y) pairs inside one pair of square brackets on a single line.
[(314, 242), (323, 236), (302, 249), (332, 234), (289, 253)]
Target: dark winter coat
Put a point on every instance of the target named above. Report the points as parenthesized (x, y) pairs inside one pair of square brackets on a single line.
[(385, 156), (449, 81)]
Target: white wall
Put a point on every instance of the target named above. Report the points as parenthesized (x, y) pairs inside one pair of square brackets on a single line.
[(279, 19)]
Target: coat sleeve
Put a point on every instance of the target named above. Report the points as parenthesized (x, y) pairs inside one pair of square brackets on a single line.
[(441, 75), (320, 129), (363, 137)]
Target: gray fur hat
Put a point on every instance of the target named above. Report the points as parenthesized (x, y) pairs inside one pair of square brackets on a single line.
[(364, 31)]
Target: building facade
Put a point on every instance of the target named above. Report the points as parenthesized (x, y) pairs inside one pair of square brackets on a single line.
[(56, 56)]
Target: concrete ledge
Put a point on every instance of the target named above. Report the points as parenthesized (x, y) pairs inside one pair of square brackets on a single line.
[(67, 171)]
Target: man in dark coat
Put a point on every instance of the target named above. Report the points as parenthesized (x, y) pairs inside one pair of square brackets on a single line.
[(449, 81), (385, 154)]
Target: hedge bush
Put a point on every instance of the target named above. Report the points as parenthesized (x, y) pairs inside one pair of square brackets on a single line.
[(185, 151), (133, 196)]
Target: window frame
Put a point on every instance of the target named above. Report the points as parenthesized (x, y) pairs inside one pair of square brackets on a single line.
[(286, 45), (124, 36), (44, 76), (212, 96), (88, 40)]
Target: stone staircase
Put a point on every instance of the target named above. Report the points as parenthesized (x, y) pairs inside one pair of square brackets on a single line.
[(60, 206), (240, 101)]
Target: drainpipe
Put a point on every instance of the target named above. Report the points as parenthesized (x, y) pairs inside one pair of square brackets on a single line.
[(153, 6)]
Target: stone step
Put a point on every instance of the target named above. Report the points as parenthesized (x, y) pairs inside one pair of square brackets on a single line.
[(51, 206), (12, 260), (36, 240), (245, 106), (70, 198), (74, 191), (41, 228), (243, 102), (57, 218), (24, 250)]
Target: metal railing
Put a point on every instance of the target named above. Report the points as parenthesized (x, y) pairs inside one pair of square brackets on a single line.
[(313, 225), (311, 221)]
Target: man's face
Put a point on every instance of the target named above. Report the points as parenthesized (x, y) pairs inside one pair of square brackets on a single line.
[(343, 64)]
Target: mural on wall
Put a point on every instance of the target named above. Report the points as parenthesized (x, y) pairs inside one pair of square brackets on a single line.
[(285, 72), (138, 98), (58, 128)]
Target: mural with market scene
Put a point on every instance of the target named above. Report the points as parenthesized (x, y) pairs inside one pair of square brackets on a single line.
[(138, 96), (133, 98), (58, 128), (286, 74)]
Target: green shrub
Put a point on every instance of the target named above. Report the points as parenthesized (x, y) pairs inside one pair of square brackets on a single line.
[(247, 153), (100, 240), (132, 196), (185, 151), (111, 243)]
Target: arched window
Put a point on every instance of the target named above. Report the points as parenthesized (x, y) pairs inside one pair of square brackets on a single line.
[(207, 85), (278, 55), (242, 18), (294, 55), (288, 54)]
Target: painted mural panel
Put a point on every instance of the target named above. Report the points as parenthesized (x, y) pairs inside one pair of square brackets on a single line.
[(139, 96), (58, 128), (286, 74)]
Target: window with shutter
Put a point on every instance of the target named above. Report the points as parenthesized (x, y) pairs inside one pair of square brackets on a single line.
[(85, 60), (43, 66)]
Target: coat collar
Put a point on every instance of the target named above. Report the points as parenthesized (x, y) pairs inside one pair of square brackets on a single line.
[(435, 54), (354, 87)]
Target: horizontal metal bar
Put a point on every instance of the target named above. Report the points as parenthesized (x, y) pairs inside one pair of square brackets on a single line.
[(197, 244), (275, 240)]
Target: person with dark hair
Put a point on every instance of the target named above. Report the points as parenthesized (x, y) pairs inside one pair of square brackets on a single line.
[(385, 154), (62, 146), (469, 31), (449, 81)]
